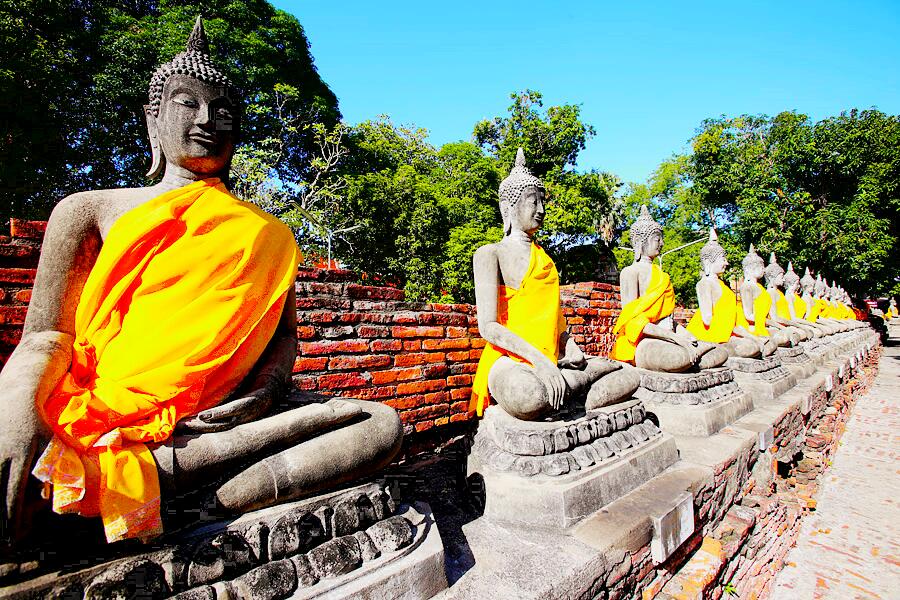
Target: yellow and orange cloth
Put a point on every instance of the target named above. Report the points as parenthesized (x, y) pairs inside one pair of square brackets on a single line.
[(657, 303), (761, 305), (532, 312), (186, 293), (782, 308), (800, 307), (724, 319)]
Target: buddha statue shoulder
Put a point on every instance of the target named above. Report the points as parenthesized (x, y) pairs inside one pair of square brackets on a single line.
[(531, 366), (645, 331), (160, 340), (716, 317)]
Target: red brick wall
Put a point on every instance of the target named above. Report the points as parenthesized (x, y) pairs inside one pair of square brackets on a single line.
[(358, 340)]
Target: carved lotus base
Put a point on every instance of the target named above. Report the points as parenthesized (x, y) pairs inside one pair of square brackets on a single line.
[(797, 361), (333, 545), (553, 474), (698, 404)]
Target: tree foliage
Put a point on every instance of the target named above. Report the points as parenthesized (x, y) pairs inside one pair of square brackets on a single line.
[(75, 75)]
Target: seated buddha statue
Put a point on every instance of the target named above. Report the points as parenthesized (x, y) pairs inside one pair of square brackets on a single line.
[(779, 311), (756, 303), (825, 309), (796, 306), (530, 365), (812, 304), (716, 319), (645, 332), (161, 336)]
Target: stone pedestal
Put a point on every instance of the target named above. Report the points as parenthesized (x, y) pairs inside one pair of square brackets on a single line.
[(698, 404), (764, 379), (553, 474), (797, 361), (350, 543)]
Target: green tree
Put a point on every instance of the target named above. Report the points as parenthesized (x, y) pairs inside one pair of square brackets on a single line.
[(75, 76)]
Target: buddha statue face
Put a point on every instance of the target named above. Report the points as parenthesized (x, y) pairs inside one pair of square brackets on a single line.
[(713, 260), (195, 125), (754, 265), (646, 236), (527, 214)]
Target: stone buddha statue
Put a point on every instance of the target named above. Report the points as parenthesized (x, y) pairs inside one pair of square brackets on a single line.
[(160, 338), (756, 303), (780, 310), (645, 332), (797, 306), (531, 366), (716, 319)]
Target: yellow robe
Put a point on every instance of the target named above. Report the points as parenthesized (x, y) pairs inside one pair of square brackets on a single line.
[(657, 303), (799, 306), (724, 319), (761, 306), (533, 312), (817, 309), (186, 293), (782, 309)]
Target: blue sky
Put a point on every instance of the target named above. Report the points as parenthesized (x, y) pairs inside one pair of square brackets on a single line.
[(645, 73)]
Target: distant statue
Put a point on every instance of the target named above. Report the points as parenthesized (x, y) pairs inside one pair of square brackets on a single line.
[(531, 366), (756, 303), (161, 336), (645, 331), (780, 311), (716, 318), (796, 306)]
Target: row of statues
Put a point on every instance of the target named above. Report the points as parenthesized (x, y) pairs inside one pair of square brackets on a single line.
[(160, 338)]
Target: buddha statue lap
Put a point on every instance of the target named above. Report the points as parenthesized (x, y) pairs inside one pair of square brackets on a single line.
[(531, 366), (716, 318), (645, 330), (160, 339), (780, 311)]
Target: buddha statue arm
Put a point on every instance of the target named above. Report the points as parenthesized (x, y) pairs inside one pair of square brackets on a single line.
[(487, 281), (263, 386), (570, 355), (748, 296), (629, 290), (705, 301), (43, 356)]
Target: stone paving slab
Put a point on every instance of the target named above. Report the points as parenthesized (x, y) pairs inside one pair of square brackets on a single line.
[(850, 547)]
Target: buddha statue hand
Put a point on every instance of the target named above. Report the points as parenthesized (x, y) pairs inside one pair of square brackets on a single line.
[(573, 357), (22, 436), (548, 373), (244, 407)]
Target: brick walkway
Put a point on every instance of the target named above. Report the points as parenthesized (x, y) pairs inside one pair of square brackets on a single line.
[(850, 547)]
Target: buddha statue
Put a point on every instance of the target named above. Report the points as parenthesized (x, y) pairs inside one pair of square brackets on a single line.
[(892, 310), (645, 332), (756, 303), (716, 319), (160, 339), (531, 366), (795, 304), (780, 310)]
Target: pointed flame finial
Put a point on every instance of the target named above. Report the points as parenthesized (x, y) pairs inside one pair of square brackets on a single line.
[(520, 157), (197, 42)]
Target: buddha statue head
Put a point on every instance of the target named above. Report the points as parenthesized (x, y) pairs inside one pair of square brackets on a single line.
[(522, 197), (821, 288), (193, 114), (713, 259), (774, 273), (754, 265), (807, 282), (791, 280), (646, 236)]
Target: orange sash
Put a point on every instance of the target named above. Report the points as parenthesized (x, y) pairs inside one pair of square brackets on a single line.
[(761, 306), (532, 312), (186, 293), (724, 318), (781, 306), (799, 307), (657, 303)]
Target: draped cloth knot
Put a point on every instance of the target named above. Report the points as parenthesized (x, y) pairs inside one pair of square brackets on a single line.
[(186, 292)]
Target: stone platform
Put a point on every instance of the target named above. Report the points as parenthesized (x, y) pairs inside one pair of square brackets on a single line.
[(552, 474), (797, 361), (764, 379), (349, 543), (697, 404)]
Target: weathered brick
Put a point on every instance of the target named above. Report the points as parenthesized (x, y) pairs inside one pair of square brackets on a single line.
[(342, 381), (302, 365), (373, 393), (387, 345), (459, 417), (412, 345), (392, 375), (373, 331), (420, 387), (12, 315), (305, 382), (2, 295), (424, 426), (461, 393), (436, 371), (461, 355), (437, 398), (406, 403), (455, 344), (17, 276), (460, 406), (458, 380), (401, 331), (441, 421), (334, 347), (374, 293), (457, 332), (367, 361), (410, 359), (438, 318), (306, 332), (32, 230)]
